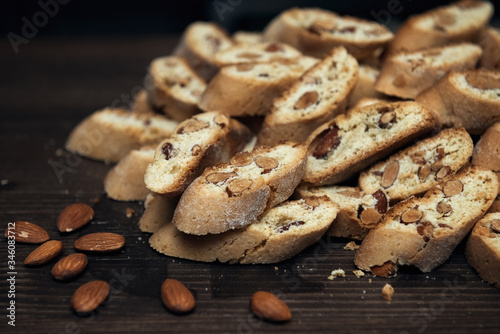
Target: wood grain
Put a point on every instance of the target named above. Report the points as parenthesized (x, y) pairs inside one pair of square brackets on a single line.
[(50, 86)]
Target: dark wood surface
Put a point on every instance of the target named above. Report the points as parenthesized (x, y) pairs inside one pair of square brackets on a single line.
[(47, 89)]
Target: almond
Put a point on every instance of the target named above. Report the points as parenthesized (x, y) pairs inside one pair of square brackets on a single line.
[(220, 177), (313, 201), (370, 217), (452, 188), (329, 141), (267, 163), (221, 120), (426, 230), (386, 119), (418, 157), (100, 242), (195, 125), (28, 232), (69, 266), (443, 172), (443, 208), (237, 186), (74, 216), (307, 99), (196, 150), (176, 297), (411, 216), (242, 159), (390, 174), (244, 67), (424, 172), (248, 55), (495, 225), (44, 253), (89, 296), (269, 307)]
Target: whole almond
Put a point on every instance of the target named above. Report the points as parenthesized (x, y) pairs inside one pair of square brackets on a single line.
[(268, 306), (100, 242), (176, 297), (89, 296), (44, 253), (74, 216), (69, 266), (28, 232)]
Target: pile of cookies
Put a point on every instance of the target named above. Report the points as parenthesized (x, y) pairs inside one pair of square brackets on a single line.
[(249, 148)]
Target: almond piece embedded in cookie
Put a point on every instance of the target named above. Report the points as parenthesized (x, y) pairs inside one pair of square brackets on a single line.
[(411, 216), (195, 125), (267, 163), (245, 67), (328, 142), (220, 177), (418, 158), (242, 159), (424, 172), (306, 100), (370, 217), (221, 120), (495, 225), (443, 208), (426, 230), (386, 119), (312, 201), (452, 188), (443, 172), (390, 174), (236, 187)]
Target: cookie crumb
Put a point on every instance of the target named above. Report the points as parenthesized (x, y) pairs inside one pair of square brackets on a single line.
[(351, 246), (129, 212), (358, 273), (336, 273), (387, 292), (369, 280), (96, 200), (4, 182)]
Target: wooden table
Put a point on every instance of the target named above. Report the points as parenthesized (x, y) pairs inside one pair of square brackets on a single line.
[(46, 89)]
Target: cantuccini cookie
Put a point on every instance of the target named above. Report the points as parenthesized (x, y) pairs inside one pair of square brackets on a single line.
[(321, 94), (199, 44), (483, 248), (232, 195), (406, 74), (461, 21), (487, 149), (424, 231), (111, 133), (469, 99), (247, 37), (353, 141), (282, 232), (265, 52), (125, 181), (359, 211), (315, 32), (174, 88), (365, 87), (158, 212), (490, 43), (249, 89), (419, 167), (199, 142)]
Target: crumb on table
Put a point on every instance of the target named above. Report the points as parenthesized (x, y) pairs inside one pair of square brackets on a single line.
[(336, 273), (351, 246), (129, 212), (358, 273), (387, 292)]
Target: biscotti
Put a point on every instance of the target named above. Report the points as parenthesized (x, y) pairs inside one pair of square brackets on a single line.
[(359, 211), (490, 43), (140, 103), (365, 87), (247, 37), (174, 88), (278, 235), (232, 195), (202, 141), (315, 32), (265, 52), (353, 141), (495, 207), (249, 89), (424, 231), (483, 248), (158, 212), (419, 167), (406, 74), (125, 181), (469, 99), (457, 22), (321, 94), (487, 150), (199, 44), (111, 133)]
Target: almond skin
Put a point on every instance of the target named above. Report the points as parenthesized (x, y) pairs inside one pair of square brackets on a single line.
[(268, 306), (44, 253), (69, 266), (100, 242), (176, 297), (28, 232), (74, 216), (89, 296)]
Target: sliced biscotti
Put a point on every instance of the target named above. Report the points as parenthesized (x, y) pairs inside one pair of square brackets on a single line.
[(365, 87), (483, 248), (232, 195), (457, 22), (174, 87), (284, 231), (199, 44), (264, 52), (321, 93), (366, 101), (249, 89), (158, 212), (125, 181), (419, 167), (111, 133), (469, 99), (247, 37), (487, 150), (359, 211), (140, 103), (424, 231), (202, 141), (315, 32), (495, 207), (490, 43), (353, 141), (406, 74)]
